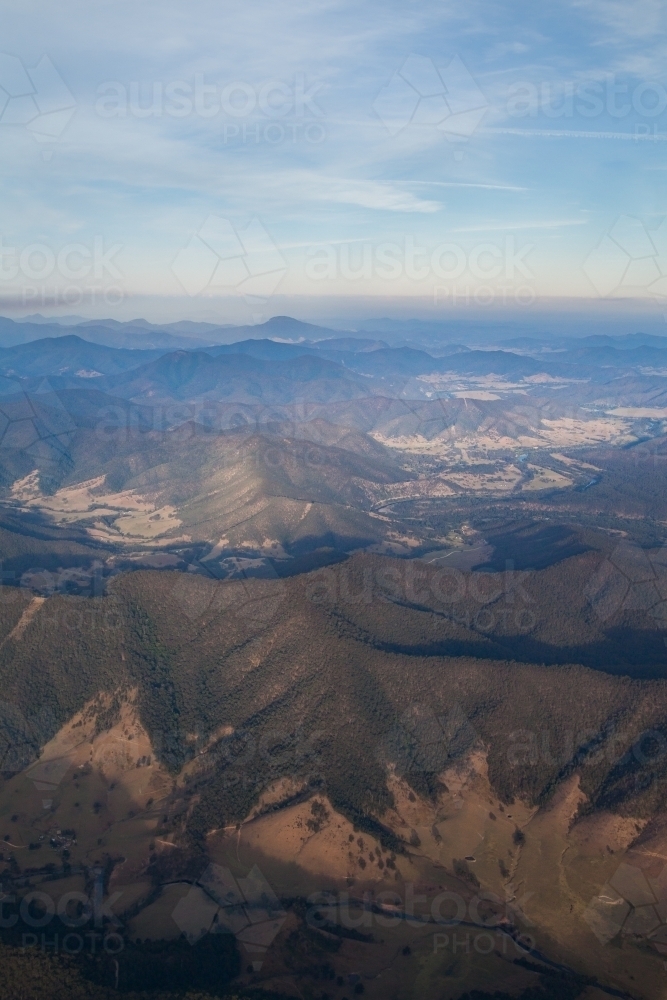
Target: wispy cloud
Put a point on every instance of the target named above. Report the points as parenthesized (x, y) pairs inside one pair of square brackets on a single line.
[(149, 181), (373, 194), (510, 226), (470, 184)]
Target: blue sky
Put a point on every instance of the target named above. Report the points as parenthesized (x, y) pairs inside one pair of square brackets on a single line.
[(415, 156)]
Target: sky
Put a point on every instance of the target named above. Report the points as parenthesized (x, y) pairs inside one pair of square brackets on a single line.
[(233, 161)]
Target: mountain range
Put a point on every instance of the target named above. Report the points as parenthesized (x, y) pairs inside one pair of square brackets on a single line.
[(296, 620)]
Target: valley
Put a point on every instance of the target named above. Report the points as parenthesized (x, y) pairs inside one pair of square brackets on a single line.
[(334, 664)]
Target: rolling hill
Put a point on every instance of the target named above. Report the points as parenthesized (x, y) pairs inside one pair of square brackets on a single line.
[(340, 622), (288, 724)]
